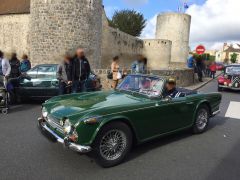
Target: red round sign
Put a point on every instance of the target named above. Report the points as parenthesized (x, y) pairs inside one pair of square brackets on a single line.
[(200, 50)]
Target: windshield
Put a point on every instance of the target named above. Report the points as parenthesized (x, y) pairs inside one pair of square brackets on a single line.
[(233, 70), (150, 86)]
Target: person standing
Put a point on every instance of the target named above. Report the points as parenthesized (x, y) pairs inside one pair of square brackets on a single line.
[(5, 68), (199, 65), (80, 71), (190, 61), (138, 66), (115, 71), (15, 66), (64, 75), (213, 69), (25, 64)]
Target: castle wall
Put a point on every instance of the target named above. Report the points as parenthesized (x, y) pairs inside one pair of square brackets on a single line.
[(118, 43), (59, 26), (14, 31), (158, 52), (176, 28)]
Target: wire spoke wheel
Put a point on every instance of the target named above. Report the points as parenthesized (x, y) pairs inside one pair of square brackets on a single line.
[(113, 144), (202, 119)]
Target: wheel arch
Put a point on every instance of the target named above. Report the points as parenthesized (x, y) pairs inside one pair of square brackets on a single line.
[(122, 119), (204, 102)]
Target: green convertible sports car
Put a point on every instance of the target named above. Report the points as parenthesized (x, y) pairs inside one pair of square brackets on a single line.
[(107, 124)]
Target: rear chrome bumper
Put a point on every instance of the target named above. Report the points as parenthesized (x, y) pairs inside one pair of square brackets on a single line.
[(51, 134)]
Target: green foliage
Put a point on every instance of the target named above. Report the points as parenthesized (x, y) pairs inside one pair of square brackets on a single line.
[(234, 58), (128, 21)]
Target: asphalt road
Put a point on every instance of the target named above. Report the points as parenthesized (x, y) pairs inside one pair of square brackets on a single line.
[(26, 154)]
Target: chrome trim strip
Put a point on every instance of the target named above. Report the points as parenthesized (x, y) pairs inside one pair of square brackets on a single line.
[(216, 112), (70, 145)]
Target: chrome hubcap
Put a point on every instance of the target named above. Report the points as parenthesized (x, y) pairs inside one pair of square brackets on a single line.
[(113, 145), (202, 119)]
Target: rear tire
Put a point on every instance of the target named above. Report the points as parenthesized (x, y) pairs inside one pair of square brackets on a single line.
[(201, 119), (112, 144)]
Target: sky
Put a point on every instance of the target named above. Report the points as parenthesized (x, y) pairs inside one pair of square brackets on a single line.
[(213, 21)]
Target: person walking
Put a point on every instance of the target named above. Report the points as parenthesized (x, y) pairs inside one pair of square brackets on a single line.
[(25, 64), (5, 68), (80, 71), (64, 75), (15, 66), (115, 71), (213, 69)]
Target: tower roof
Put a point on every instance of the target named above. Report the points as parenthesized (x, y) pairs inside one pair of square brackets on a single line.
[(14, 7)]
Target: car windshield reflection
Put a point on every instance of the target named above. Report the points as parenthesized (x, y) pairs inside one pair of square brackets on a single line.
[(145, 85)]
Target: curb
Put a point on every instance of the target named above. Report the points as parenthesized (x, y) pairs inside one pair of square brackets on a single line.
[(205, 83)]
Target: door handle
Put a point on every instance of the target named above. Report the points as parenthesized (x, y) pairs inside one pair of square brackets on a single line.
[(189, 103)]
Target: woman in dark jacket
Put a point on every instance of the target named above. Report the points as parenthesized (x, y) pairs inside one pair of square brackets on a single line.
[(15, 66)]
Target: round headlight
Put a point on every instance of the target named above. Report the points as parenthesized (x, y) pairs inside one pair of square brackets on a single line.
[(44, 112), (67, 126)]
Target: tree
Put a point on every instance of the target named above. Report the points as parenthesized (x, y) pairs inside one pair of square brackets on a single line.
[(234, 58), (128, 21)]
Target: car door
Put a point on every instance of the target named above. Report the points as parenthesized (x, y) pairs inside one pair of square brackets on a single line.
[(162, 116), (174, 114)]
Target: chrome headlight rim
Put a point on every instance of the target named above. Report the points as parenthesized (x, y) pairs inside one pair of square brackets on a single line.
[(67, 127), (44, 112)]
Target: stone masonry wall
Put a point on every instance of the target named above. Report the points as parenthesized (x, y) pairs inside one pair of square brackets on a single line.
[(184, 77), (14, 31), (59, 26), (118, 43)]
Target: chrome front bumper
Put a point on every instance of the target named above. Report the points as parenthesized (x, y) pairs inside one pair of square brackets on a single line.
[(228, 87), (51, 134)]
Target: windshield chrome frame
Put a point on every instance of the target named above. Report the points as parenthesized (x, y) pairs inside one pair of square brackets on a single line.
[(137, 92)]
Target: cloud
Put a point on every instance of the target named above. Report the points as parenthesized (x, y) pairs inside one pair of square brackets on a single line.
[(136, 2), (150, 29), (215, 22)]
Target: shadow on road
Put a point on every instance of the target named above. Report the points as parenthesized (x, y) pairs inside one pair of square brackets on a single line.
[(148, 146)]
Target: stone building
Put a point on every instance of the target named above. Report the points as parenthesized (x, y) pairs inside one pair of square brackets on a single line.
[(225, 54), (46, 29)]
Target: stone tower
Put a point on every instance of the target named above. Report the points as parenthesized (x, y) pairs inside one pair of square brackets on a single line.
[(60, 26), (158, 52), (176, 28)]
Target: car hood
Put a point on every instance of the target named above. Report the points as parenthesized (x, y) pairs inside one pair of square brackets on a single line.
[(84, 103)]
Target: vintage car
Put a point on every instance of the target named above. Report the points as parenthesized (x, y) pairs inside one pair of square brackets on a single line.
[(41, 83), (230, 78), (220, 66), (106, 124)]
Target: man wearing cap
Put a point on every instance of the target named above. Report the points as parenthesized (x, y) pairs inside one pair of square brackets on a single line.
[(171, 90)]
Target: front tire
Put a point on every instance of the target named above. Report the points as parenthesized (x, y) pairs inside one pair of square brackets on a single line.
[(112, 144), (201, 120)]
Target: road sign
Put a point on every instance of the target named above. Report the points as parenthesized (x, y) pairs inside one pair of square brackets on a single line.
[(200, 49)]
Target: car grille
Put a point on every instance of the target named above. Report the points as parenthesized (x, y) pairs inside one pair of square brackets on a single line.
[(236, 81), (54, 123)]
